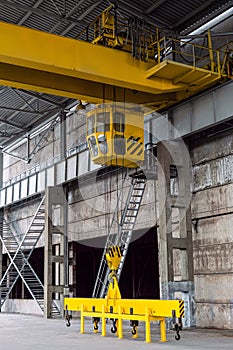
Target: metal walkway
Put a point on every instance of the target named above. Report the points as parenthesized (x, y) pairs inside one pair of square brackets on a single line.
[(19, 252), (121, 228)]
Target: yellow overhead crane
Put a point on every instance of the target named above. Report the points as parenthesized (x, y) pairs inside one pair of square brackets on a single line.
[(145, 68), (117, 309)]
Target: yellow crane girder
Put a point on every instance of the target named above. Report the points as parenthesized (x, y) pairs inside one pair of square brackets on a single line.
[(48, 63)]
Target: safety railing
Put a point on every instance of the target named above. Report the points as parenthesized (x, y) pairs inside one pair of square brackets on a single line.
[(187, 52)]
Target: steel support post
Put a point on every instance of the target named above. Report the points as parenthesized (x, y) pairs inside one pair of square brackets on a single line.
[(175, 240), (55, 223)]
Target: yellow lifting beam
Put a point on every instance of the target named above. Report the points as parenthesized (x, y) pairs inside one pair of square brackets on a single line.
[(117, 309)]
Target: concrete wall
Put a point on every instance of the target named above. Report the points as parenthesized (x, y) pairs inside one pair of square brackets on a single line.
[(212, 213), (90, 218)]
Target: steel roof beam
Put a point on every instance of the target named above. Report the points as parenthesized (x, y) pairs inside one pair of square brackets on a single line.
[(154, 6), (42, 13), (5, 121), (28, 14), (139, 13), (40, 97), (6, 108)]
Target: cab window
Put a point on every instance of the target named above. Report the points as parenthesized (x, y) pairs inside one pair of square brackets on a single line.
[(119, 121), (91, 124), (102, 122)]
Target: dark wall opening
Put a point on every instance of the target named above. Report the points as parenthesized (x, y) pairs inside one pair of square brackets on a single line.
[(36, 260), (140, 274), (87, 264)]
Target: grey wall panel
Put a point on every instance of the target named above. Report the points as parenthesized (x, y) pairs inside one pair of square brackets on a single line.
[(16, 191), (181, 120), (83, 163), (24, 188), (32, 184), (224, 102), (3, 197), (60, 172), (50, 176), (203, 112), (71, 167), (41, 181)]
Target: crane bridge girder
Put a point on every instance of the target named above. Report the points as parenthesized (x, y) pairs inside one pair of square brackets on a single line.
[(44, 62)]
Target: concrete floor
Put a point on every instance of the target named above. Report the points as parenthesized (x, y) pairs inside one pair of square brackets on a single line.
[(24, 332)]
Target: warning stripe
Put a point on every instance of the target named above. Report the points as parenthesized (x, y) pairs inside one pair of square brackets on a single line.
[(140, 152), (133, 142), (136, 148), (129, 139), (181, 307)]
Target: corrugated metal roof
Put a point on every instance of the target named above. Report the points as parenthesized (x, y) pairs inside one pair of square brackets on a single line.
[(69, 18)]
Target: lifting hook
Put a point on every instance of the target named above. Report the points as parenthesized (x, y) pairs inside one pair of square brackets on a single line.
[(177, 329), (114, 327), (134, 330), (68, 318), (96, 321), (134, 324)]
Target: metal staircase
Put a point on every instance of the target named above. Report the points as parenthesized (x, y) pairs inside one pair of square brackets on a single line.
[(19, 252), (121, 228)]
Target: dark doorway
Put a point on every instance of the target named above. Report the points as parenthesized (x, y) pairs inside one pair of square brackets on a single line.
[(87, 265), (140, 274)]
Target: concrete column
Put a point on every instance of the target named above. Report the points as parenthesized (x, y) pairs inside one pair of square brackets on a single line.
[(179, 238), (48, 256), (63, 147), (54, 234)]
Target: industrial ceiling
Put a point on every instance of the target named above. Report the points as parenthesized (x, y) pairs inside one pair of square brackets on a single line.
[(21, 111)]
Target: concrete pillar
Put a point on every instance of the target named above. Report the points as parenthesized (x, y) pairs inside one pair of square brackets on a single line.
[(175, 241), (63, 146), (54, 234)]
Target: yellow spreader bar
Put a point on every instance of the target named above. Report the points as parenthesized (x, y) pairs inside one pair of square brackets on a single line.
[(127, 309), (161, 308)]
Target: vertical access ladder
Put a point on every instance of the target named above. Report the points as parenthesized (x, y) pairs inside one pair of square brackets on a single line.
[(19, 252), (121, 228)]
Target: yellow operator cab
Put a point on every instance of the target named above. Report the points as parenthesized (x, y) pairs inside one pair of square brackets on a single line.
[(115, 135)]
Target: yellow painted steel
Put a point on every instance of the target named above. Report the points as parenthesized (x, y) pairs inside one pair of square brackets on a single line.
[(155, 308), (48, 63), (62, 66), (126, 309), (113, 307), (115, 135), (193, 77)]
